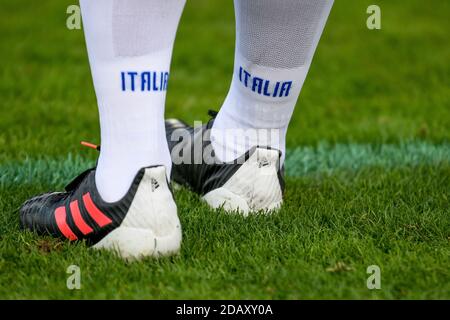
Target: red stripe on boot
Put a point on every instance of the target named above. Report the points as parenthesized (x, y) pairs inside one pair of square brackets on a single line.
[(78, 219), (60, 216), (94, 212)]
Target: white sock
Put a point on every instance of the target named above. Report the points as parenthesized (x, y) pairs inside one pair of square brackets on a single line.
[(130, 47), (275, 44)]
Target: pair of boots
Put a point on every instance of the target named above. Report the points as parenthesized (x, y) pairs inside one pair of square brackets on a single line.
[(145, 221)]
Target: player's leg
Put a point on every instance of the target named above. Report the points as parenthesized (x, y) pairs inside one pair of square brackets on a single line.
[(275, 44), (125, 203), (130, 47)]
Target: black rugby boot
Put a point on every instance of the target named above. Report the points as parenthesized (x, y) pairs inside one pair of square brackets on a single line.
[(252, 183), (143, 223)]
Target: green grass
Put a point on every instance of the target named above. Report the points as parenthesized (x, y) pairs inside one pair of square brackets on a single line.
[(368, 168)]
